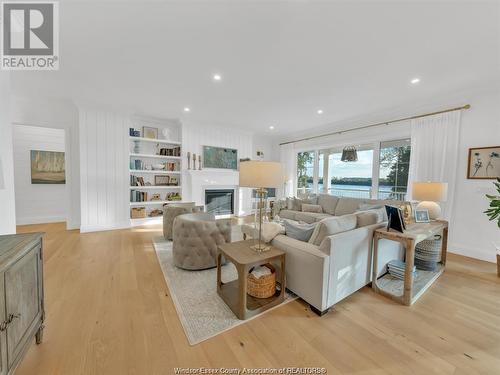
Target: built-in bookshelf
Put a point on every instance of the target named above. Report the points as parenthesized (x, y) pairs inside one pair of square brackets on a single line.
[(155, 167)]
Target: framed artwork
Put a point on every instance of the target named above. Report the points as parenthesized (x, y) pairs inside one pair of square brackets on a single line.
[(484, 163), (148, 132), (47, 167), (174, 181), (220, 157), (422, 216), (161, 180)]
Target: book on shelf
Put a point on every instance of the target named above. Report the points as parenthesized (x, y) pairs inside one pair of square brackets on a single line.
[(138, 196), (137, 181)]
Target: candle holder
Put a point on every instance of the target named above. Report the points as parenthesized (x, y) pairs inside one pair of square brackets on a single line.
[(199, 162), (189, 160), (194, 161)]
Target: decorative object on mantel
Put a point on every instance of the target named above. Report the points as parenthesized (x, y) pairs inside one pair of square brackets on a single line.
[(429, 193), (484, 163), (189, 160), (194, 161), (349, 154), (260, 174), (149, 132), (199, 162)]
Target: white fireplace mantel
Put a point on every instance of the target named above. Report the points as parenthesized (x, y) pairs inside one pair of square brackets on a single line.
[(195, 182)]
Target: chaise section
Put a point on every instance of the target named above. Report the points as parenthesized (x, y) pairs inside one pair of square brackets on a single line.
[(310, 217)]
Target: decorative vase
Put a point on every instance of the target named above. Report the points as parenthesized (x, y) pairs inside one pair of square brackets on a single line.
[(166, 133)]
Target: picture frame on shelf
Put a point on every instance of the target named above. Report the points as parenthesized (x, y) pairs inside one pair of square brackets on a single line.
[(483, 163), (149, 132), (422, 216), (161, 180), (174, 181)]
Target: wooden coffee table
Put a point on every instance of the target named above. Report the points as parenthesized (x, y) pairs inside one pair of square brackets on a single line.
[(234, 293)]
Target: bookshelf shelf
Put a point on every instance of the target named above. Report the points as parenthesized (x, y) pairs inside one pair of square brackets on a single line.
[(149, 187), (164, 157), (152, 203), (153, 171), (162, 141)]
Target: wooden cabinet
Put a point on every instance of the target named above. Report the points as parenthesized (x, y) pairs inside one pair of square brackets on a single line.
[(21, 297)]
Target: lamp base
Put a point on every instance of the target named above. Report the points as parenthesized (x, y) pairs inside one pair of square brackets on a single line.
[(260, 248), (433, 208)]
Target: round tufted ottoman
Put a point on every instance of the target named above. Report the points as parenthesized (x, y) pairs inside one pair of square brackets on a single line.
[(196, 237)]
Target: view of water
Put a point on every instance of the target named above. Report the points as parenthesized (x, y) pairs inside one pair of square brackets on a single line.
[(356, 191)]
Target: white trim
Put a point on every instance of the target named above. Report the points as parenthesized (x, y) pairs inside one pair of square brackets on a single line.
[(481, 254), (104, 227), (39, 220)]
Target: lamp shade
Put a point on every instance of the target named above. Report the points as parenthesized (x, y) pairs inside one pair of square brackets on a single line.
[(261, 174), (430, 191)]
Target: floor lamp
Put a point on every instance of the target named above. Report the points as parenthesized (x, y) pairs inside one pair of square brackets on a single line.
[(260, 175)]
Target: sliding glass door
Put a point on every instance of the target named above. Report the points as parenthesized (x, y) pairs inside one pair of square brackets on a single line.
[(381, 171)]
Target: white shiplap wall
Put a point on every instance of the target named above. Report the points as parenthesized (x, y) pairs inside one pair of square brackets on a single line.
[(104, 177), (37, 203)]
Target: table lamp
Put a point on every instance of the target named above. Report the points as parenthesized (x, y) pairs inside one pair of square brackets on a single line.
[(429, 193), (260, 175)]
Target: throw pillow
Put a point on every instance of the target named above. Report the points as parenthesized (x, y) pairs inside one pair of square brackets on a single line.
[(380, 208), (370, 217), (289, 203), (301, 232), (316, 208), (331, 226)]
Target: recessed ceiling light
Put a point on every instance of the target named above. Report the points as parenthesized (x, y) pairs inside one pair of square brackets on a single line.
[(271, 127), (217, 77), (319, 111), (414, 81), (187, 109)]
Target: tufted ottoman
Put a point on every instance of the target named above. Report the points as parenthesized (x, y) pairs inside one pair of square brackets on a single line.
[(171, 211), (196, 237)]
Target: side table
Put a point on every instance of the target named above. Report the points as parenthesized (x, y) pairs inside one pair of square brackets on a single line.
[(234, 293), (412, 287)]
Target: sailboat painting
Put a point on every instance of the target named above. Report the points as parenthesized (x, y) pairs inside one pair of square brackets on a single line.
[(47, 167)]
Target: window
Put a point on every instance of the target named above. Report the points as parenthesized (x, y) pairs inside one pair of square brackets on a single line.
[(305, 171), (352, 179), (394, 168)]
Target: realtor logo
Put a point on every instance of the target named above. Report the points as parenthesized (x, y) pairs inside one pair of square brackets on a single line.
[(30, 36)]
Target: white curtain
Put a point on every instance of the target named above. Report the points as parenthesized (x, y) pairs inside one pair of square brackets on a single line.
[(434, 153), (288, 160)]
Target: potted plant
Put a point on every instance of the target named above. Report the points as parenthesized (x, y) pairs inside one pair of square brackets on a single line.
[(493, 212)]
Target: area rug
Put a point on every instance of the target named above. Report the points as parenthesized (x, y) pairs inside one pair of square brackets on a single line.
[(202, 312)]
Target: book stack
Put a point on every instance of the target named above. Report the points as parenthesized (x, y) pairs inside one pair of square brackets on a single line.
[(137, 181), (136, 164), (138, 196), (397, 269)]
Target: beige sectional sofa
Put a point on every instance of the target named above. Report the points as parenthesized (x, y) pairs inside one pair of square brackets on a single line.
[(327, 269)]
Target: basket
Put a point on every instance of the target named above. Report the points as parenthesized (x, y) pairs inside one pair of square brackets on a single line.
[(138, 212), (428, 254), (263, 287)]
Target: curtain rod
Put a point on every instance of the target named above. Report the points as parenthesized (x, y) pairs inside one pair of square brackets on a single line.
[(467, 106)]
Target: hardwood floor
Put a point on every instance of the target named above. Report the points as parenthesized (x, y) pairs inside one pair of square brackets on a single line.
[(109, 312)]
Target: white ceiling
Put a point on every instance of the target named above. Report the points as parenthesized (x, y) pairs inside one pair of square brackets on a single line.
[(280, 61)]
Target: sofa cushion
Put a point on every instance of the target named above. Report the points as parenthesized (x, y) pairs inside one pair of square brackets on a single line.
[(312, 208), (328, 203), (370, 217), (301, 232), (378, 207), (347, 206), (288, 214), (331, 226), (310, 217)]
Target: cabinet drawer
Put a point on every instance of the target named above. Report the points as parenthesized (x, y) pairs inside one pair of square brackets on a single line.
[(22, 301)]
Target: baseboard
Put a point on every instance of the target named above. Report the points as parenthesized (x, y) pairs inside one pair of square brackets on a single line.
[(481, 254), (39, 220), (104, 227)]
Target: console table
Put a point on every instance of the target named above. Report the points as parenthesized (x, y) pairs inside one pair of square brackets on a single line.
[(21, 297), (411, 287), (234, 293)]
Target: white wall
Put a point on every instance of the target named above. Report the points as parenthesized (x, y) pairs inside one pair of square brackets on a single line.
[(265, 144), (195, 136), (471, 234), (58, 114), (7, 201), (104, 177), (37, 203)]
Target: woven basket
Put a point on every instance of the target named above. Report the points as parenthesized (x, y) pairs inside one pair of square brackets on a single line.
[(263, 287)]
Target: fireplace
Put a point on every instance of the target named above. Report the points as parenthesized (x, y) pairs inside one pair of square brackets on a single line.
[(219, 201)]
